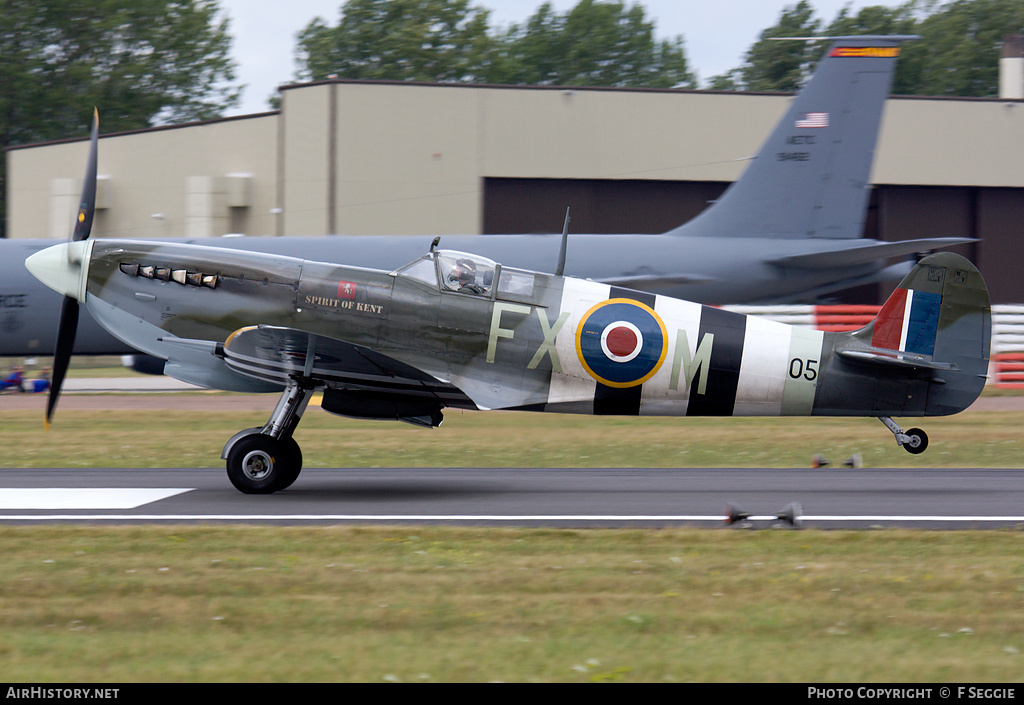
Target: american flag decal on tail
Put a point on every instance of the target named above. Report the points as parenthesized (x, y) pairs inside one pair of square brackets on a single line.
[(813, 120)]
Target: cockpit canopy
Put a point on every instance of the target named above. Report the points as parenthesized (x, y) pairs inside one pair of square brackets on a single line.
[(466, 273), (471, 274)]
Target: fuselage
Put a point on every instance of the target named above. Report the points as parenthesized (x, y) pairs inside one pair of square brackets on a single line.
[(512, 338)]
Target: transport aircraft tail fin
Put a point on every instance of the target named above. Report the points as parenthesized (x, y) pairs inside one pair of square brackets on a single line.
[(811, 177)]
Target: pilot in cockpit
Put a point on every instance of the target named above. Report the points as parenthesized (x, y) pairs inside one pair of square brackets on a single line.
[(463, 275)]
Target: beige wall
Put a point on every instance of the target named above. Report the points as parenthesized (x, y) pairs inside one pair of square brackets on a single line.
[(951, 143), (623, 135), (408, 160), (365, 158), (304, 172), (157, 183)]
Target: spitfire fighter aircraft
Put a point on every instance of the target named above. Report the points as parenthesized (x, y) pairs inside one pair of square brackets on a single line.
[(789, 229), (454, 329)]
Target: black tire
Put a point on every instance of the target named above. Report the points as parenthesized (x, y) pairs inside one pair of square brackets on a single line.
[(917, 441), (261, 464), (294, 464)]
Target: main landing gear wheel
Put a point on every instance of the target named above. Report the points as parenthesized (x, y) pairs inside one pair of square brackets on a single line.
[(916, 442), (266, 460), (293, 463), (262, 464)]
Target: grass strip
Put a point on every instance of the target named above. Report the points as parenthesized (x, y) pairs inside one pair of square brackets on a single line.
[(195, 437), (441, 604)]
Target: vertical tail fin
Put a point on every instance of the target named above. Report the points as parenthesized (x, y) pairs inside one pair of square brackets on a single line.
[(811, 176), (930, 341)]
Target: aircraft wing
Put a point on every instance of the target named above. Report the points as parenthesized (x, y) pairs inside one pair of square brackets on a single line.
[(850, 256), (358, 381)]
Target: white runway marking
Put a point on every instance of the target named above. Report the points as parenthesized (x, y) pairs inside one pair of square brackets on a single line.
[(82, 497)]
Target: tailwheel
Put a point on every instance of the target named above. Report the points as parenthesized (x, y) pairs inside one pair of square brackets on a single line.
[(913, 441), (262, 464), (916, 441)]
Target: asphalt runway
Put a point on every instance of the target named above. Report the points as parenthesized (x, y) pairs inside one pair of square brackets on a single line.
[(829, 497), (832, 497)]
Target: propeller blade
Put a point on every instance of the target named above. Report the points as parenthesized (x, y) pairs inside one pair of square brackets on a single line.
[(68, 326), (62, 354), (87, 206)]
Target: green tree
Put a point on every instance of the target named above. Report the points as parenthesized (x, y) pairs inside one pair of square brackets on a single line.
[(957, 55), (960, 46), (773, 65), (401, 40), (141, 62), (731, 80), (595, 43), (531, 54)]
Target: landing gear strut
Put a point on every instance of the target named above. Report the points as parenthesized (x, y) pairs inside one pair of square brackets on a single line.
[(913, 440), (266, 460)]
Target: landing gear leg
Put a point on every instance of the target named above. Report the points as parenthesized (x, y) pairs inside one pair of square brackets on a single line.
[(266, 460), (913, 440)]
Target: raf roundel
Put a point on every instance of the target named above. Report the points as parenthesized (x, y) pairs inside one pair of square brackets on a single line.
[(621, 342)]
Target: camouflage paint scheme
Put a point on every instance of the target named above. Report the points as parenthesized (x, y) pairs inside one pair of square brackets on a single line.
[(527, 340)]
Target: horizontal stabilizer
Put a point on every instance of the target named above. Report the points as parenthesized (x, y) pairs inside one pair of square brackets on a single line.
[(895, 359), (851, 256)]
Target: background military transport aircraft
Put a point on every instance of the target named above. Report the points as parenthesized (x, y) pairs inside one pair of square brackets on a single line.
[(789, 229), (452, 329)]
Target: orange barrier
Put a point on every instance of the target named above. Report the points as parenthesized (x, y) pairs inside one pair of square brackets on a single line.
[(1009, 370), (840, 318)]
